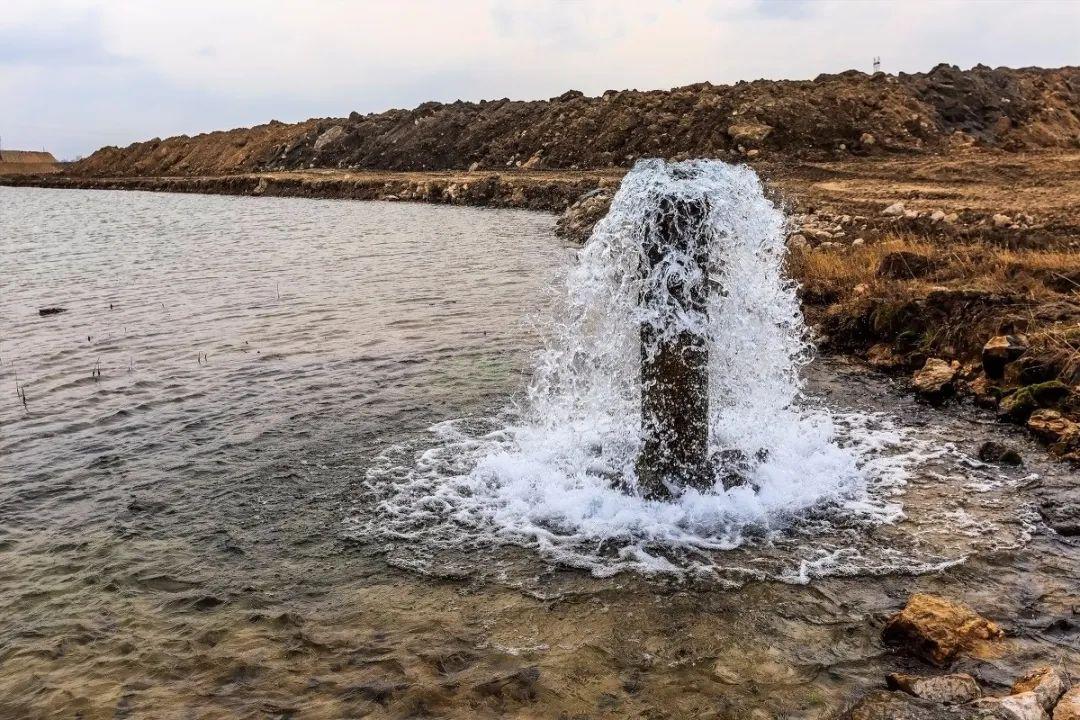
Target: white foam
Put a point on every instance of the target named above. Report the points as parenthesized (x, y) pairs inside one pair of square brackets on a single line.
[(553, 476)]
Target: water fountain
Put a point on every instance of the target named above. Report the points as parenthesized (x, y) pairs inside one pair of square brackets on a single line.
[(664, 419)]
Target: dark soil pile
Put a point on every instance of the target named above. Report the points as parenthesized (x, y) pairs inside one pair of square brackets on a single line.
[(832, 116)]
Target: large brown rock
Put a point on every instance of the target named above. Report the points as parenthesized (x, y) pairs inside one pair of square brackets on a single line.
[(937, 630), (1024, 706), (749, 133), (948, 689), (1068, 707), (934, 381), (1046, 682), (1053, 427)]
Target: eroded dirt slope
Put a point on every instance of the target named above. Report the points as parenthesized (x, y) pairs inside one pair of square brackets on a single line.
[(830, 117)]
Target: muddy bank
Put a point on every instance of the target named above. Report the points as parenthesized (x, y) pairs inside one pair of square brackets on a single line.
[(534, 191)]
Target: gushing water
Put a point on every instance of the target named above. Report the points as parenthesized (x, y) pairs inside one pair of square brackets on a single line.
[(557, 473)]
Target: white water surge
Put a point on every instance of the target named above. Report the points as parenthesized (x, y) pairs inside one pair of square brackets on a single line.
[(553, 473)]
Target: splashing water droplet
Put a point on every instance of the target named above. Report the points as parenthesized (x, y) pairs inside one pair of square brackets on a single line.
[(557, 474)]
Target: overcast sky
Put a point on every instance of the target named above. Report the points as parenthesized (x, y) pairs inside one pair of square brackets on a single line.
[(79, 74)]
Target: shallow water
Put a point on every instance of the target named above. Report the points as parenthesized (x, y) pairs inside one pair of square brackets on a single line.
[(193, 498)]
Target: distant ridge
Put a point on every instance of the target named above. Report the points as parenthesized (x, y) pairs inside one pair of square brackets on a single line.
[(830, 117)]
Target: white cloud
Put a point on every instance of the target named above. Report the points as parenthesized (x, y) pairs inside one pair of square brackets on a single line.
[(140, 68)]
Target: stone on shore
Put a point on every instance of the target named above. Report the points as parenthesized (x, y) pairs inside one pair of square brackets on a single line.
[(1019, 406), (1024, 706), (1068, 707), (1001, 350), (1046, 682), (749, 133), (934, 382), (937, 630), (1052, 426), (947, 689), (578, 220)]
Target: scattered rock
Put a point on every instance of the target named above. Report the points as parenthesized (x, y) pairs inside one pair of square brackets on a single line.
[(1001, 221), (1068, 707), (1045, 682), (817, 234), (1053, 427), (882, 705), (44, 312), (934, 381), (328, 137), (948, 689), (894, 210), (533, 162), (905, 265), (937, 216), (1001, 350), (867, 139), (474, 167), (992, 452), (578, 220), (985, 395), (749, 133), (1024, 706), (1019, 406), (858, 242), (936, 629), (798, 240)]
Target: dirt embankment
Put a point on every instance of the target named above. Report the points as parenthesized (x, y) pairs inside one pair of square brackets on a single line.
[(831, 117), (27, 162)]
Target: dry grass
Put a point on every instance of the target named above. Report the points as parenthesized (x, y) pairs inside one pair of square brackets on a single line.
[(1042, 287), (838, 273)]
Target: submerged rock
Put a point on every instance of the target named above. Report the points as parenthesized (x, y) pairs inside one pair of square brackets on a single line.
[(948, 689), (992, 452), (1045, 682), (937, 630)]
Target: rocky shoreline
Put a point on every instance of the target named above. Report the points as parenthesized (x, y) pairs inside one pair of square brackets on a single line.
[(935, 631), (537, 191)]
